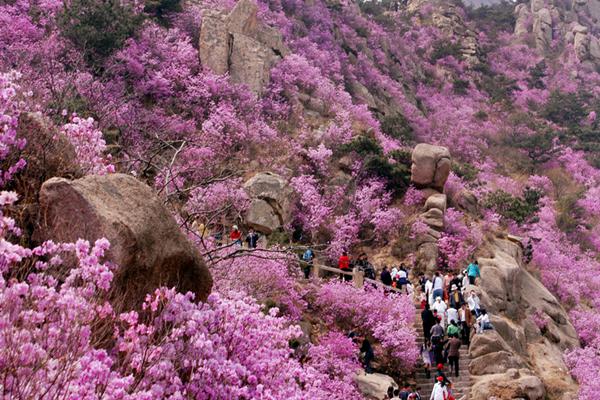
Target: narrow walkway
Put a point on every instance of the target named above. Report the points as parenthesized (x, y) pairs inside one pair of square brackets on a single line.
[(461, 386)]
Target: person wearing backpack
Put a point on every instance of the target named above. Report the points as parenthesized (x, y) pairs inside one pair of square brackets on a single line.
[(308, 257), (438, 285)]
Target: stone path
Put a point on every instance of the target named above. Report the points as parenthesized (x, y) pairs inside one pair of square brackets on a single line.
[(461, 385)]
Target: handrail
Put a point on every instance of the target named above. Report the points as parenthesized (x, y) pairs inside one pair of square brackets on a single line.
[(357, 276)]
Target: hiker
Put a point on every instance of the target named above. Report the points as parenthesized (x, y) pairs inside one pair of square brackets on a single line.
[(390, 392), (428, 322), (402, 277), (429, 290), (440, 307), (448, 278), (367, 354), (386, 277), (436, 332), (438, 285), (453, 328), (439, 392), (308, 257), (466, 321), (453, 347), (426, 356), (483, 322), (452, 314), (252, 239), (344, 265), (414, 394), (440, 374), (528, 252), (394, 273), (473, 302), (422, 281), (404, 392), (236, 236), (473, 272), (455, 298)]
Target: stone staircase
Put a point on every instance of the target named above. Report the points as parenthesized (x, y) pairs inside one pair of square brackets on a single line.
[(460, 386)]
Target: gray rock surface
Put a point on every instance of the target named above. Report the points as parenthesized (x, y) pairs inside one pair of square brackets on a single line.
[(271, 201)]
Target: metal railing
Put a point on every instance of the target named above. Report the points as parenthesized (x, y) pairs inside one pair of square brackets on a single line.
[(358, 277)]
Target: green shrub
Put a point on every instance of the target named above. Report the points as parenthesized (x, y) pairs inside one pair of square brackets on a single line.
[(566, 109), (444, 48), (519, 209), (538, 147), (460, 86), (465, 170), (160, 8), (97, 27), (397, 127), (536, 76)]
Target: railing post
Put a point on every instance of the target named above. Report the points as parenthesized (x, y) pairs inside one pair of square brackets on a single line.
[(316, 270), (359, 278)]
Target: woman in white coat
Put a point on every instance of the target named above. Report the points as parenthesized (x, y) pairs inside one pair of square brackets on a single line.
[(440, 391)]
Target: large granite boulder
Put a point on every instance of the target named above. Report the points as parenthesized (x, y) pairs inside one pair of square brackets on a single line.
[(241, 45), (146, 242), (271, 202), (542, 28), (516, 301), (513, 384), (374, 386), (430, 166)]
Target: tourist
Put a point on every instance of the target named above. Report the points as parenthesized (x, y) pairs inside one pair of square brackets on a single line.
[(386, 277), (452, 314), (455, 298), (439, 392), (453, 347), (252, 239), (473, 272), (483, 321), (453, 328), (440, 374), (308, 258), (404, 392), (402, 277), (465, 281), (429, 290), (428, 322), (390, 392), (473, 302), (448, 278), (438, 285), (414, 395), (441, 308), (466, 321), (426, 356), (344, 265), (436, 332), (368, 355), (394, 273), (422, 281), (528, 252), (236, 236)]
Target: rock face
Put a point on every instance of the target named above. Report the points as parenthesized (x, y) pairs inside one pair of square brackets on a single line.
[(146, 242), (430, 166), (542, 28), (374, 386), (426, 242), (516, 300), (239, 44), (48, 153), (270, 207)]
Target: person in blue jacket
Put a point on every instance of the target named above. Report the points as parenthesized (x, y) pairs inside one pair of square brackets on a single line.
[(473, 272)]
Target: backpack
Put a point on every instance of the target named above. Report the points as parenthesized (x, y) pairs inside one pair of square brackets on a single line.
[(307, 255)]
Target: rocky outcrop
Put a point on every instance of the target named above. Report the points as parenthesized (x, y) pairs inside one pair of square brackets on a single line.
[(270, 207), (448, 18), (241, 45), (429, 171), (430, 166), (542, 28), (374, 386), (146, 243), (517, 302), (513, 384)]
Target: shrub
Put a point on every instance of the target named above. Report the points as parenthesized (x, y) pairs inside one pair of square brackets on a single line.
[(566, 109), (398, 127), (98, 28), (518, 209), (444, 48)]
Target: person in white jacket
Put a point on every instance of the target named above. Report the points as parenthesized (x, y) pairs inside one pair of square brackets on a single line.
[(429, 291), (441, 308), (440, 391)]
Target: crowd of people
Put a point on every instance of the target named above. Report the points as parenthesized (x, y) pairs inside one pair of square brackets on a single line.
[(451, 313), (404, 392)]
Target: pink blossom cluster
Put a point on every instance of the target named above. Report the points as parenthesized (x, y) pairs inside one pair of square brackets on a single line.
[(386, 317), (89, 145)]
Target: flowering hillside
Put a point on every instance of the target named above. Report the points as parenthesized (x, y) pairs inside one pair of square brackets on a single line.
[(331, 96)]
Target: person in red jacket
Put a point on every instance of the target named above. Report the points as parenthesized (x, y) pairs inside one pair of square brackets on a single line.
[(236, 235), (344, 265)]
